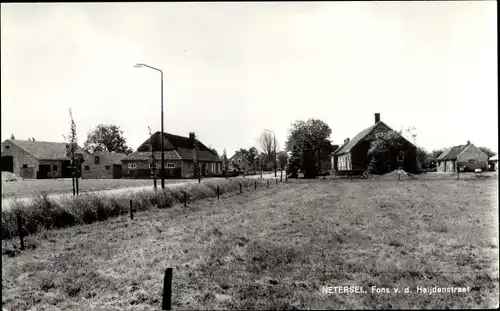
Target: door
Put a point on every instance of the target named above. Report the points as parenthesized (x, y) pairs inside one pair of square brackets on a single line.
[(203, 170), (43, 171), (117, 171), (8, 164)]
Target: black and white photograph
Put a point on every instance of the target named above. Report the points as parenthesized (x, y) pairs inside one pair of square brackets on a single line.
[(251, 155)]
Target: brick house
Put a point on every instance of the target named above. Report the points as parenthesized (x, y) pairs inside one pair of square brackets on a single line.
[(352, 156), (103, 165), (178, 153), (468, 156), (37, 159), (239, 163)]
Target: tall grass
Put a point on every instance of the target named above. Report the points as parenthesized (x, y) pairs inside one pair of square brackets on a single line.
[(44, 213)]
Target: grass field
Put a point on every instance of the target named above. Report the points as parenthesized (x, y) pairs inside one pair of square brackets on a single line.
[(274, 249)]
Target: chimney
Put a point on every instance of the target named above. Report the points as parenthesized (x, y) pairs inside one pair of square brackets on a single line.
[(191, 136), (346, 140), (377, 117), (468, 142)]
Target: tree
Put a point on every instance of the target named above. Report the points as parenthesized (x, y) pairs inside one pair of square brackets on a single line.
[(384, 151), (106, 138), (33, 138), (293, 164), (422, 154), (268, 145), (253, 153), (282, 159), (225, 162), (307, 141), (71, 149), (436, 153), (488, 151), (12, 137), (196, 157)]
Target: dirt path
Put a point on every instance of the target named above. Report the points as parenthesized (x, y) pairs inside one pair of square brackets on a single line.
[(7, 202)]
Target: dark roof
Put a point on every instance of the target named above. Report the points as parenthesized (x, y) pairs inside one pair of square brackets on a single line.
[(361, 135), (178, 154), (170, 142), (452, 153), (44, 150), (204, 155), (144, 155)]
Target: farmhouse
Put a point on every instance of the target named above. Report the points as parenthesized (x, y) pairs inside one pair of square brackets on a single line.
[(468, 156), (178, 154), (352, 156), (37, 159), (493, 163), (102, 164), (239, 162)]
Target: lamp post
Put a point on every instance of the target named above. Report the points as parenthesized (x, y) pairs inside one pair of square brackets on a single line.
[(275, 172), (161, 141)]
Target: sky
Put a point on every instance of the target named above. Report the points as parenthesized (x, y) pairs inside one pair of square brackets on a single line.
[(232, 70)]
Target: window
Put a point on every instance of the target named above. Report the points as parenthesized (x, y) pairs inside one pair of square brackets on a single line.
[(132, 165), (87, 168), (25, 165), (151, 165), (106, 167), (471, 161), (170, 165), (7, 147), (54, 167), (239, 160), (96, 160), (190, 165)]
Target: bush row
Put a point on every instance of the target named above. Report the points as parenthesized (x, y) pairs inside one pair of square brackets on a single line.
[(45, 213)]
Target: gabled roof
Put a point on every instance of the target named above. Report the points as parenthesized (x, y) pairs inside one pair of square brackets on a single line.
[(44, 150), (452, 153), (238, 154), (170, 142), (361, 135)]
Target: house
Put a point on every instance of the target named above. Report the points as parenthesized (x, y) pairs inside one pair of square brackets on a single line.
[(239, 163), (352, 156), (103, 165), (468, 156), (178, 155), (493, 163), (37, 159)]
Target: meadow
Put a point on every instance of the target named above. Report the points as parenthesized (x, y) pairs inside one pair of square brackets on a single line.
[(272, 248)]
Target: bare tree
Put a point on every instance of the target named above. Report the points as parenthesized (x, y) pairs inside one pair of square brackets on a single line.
[(268, 145)]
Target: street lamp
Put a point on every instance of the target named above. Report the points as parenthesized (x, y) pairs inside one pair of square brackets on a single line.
[(275, 174), (161, 141)]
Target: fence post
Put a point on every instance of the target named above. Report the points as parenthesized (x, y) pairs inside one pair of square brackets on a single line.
[(20, 230), (131, 211), (276, 180), (286, 178), (255, 185), (167, 290), (267, 183), (240, 189), (185, 199), (458, 171), (218, 193)]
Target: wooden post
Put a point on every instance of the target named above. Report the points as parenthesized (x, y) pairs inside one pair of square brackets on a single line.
[(76, 178), (286, 178), (458, 170), (281, 176), (218, 192), (167, 290), (267, 182), (20, 230), (185, 199), (276, 180), (240, 189), (73, 181), (255, 185), (131, 211)]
